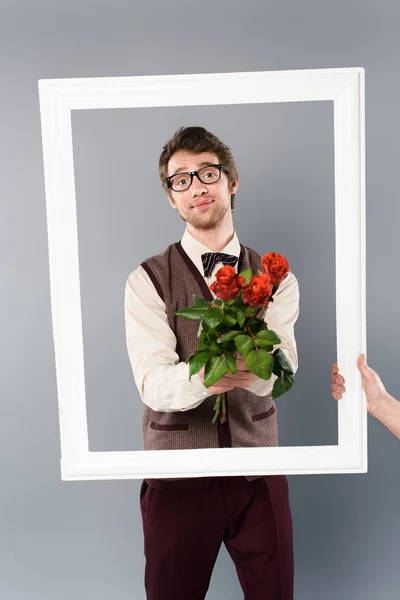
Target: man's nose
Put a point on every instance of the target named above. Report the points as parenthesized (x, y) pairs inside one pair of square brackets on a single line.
[(198, 187)]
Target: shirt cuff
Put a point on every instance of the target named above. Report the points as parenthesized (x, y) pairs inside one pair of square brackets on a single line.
[(262, 387)]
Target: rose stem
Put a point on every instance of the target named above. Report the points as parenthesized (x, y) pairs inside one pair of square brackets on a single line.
[(216, 408), (223, 408)]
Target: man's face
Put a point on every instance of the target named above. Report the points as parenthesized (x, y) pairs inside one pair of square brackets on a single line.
[(203, 206)]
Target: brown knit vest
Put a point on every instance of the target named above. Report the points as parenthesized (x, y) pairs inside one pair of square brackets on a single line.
[(251, 419)]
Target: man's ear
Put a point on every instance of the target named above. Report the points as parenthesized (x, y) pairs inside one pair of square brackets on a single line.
[(171, 200), (234, 186)]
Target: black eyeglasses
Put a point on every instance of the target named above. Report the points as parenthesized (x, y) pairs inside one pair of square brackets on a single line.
[(182, 181)]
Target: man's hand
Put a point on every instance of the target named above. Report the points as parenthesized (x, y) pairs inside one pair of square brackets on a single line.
[(374, 389), (220, 387), (243, 378)]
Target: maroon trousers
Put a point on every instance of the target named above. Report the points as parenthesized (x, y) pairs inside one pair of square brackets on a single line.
[(185, 526)]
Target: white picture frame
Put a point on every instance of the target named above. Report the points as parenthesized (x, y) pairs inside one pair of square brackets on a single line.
[(58, 97)]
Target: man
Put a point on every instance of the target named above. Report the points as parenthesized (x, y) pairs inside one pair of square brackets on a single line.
[(185, 521), (380, 404)]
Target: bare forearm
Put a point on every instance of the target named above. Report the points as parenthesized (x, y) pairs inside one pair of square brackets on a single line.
[(387, 412)]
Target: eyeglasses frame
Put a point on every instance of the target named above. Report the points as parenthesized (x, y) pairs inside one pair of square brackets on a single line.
[(193, 173)]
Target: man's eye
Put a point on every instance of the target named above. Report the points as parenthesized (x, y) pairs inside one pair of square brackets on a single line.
[(210, 175), (182, 182)]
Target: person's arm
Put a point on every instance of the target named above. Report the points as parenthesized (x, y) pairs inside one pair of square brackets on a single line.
[(162, 380), (281, 315), (387, 411), (380, 404)]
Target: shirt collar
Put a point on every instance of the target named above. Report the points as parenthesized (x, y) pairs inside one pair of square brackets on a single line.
[(194, 249)]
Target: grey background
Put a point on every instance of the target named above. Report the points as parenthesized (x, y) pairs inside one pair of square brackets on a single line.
[(285, 202), (84, 539)]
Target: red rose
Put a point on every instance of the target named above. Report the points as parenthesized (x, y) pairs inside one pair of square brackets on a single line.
[(225, 285), (276, 266), (241, 281), (258, 291)]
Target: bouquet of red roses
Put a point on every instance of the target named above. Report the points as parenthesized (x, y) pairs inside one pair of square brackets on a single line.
[(229, 325)]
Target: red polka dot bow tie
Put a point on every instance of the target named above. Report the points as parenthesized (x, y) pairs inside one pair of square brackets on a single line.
[(209, 260)]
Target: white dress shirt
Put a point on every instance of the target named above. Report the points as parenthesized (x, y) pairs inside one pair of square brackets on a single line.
[(162, 380)]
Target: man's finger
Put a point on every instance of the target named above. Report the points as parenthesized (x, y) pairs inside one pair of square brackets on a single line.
[(238, 377), (220, 389), (335, 368), (241, 364)]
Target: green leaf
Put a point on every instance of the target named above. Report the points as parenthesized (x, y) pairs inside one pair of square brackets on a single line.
[(230, 302), (282, 384), (263, 344), (189, 358), (200, 329), (191, 313), (200, 302), (254, 325), (281, 362), (266, 335), (252, 310), (218, 301), (230, 359), (247, 274), (213, 317), (212, 336), (238, 301), (244, 344), (234, 310), (228, 336), (266, 339), (260, 362), (229, 320), (197, 361), (241, 317), (216, 368), (214, 349), (203, 337), (205, 326)]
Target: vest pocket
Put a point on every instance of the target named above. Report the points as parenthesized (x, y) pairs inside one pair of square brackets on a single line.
[(264, 415), (169, 427)]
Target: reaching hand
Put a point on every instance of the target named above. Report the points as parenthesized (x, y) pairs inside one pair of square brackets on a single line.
[(374, 389)]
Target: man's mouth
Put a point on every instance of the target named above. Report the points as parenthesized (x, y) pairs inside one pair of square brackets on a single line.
[(203, 203)]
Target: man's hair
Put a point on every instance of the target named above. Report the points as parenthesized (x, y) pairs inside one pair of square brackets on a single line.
[(196, 140)]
